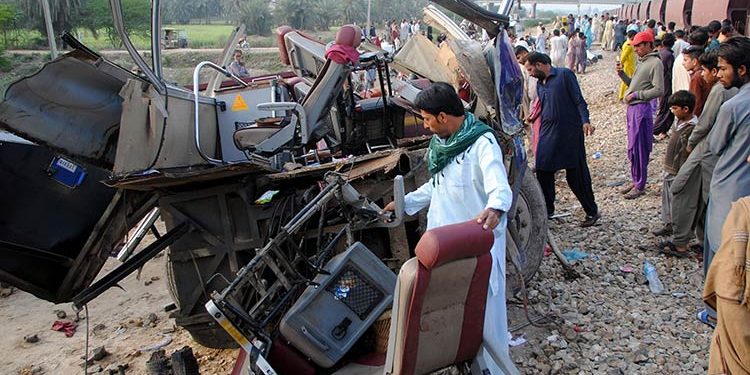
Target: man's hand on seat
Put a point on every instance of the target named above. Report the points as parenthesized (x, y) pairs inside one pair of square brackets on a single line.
[(489, 217), (389, 208)]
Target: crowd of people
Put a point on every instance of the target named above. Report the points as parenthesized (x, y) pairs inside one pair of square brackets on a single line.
[(690, 89)]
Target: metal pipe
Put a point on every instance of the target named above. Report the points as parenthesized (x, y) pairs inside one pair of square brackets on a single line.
[(156, 37), (120, 27), (196, 84)]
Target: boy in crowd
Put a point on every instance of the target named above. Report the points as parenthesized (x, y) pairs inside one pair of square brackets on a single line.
[(698, 86), (690, 187), (681, 104)]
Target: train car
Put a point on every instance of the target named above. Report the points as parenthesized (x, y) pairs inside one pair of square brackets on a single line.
[(639, 12), (676, 11), (657, 10), (735, 10)]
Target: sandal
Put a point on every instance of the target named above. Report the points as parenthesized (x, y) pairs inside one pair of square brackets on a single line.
[(634, 193), (670, 249), (706, 319), (696, 248), (627, 189)]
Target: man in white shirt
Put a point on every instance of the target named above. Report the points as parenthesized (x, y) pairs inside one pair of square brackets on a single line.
[(680, 44), (468, 182)]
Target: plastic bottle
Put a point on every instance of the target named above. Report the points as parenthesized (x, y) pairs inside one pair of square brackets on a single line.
[(653, 278), (597, 155)]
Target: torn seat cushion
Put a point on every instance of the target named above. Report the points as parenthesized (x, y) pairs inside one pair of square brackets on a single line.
[(439, 303), (249, 137)]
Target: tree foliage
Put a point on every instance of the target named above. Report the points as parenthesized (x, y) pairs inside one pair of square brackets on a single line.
[(97, 16), (257, 17), (65, 14)]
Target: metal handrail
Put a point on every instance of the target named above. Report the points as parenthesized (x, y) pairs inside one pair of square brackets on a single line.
[(120, 27), (196, 88)]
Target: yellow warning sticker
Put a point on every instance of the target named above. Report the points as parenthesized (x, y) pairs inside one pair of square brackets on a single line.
[(239, 104)]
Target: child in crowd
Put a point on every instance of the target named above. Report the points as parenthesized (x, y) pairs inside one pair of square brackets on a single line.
[(682, 104)]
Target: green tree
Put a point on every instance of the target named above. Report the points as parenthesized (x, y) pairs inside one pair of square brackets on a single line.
[(97, 16), (64, 14), (8, 16), (257, 17), (326, 14), (295, 13)]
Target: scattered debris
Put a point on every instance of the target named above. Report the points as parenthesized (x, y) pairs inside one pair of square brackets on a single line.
[(66, 326), (184, 362), (94, 369), (170, 307), (158, 364), (152, 319), (627, 268), (5, 290), (574, 254), (98, 328), (520, 340), (116, 369), (31, 339), (266, 197), (61, 314), (31, 370), (166, 341), (99, 353), (171, 329)]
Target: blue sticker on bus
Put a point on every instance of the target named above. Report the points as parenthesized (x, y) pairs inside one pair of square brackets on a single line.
[(66, 172)]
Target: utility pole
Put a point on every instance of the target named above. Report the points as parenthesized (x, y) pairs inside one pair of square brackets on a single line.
[(50, 32)]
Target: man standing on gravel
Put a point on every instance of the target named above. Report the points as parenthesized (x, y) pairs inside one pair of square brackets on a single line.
[(646, 84), (565, 121), (468, 182), (729, 140)]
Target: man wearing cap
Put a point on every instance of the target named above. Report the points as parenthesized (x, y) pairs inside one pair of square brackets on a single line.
[(646, 84)]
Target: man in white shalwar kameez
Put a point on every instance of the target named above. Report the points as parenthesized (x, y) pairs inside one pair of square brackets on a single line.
[(468, 181)]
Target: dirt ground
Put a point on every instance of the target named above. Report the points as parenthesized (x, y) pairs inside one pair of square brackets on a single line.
[(118, 320)]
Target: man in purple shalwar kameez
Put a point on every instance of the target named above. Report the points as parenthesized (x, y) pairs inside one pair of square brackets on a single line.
[(646, 84)]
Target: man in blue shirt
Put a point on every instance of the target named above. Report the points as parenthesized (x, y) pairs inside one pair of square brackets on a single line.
[(565, 120)]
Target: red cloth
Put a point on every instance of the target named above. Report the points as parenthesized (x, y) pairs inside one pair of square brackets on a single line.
[(536, 125), (65, 326), (342, 54)]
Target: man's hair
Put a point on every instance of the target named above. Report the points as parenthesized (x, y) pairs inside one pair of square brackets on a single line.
[(682, 98), (735, 51), (709, 60), (668, 40), (632, 33), (439, 97), (693, 51), (538, 57), (714, 26), (671, 25), (520, 49), (236, 51), (556, 32), (679, 33), (727, 30), (651, 23), (698, 38)]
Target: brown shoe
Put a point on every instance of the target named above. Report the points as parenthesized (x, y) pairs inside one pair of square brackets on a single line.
[(626, 189), (634, 193)]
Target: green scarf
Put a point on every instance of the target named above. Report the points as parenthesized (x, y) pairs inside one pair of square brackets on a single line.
[(442, 154)]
